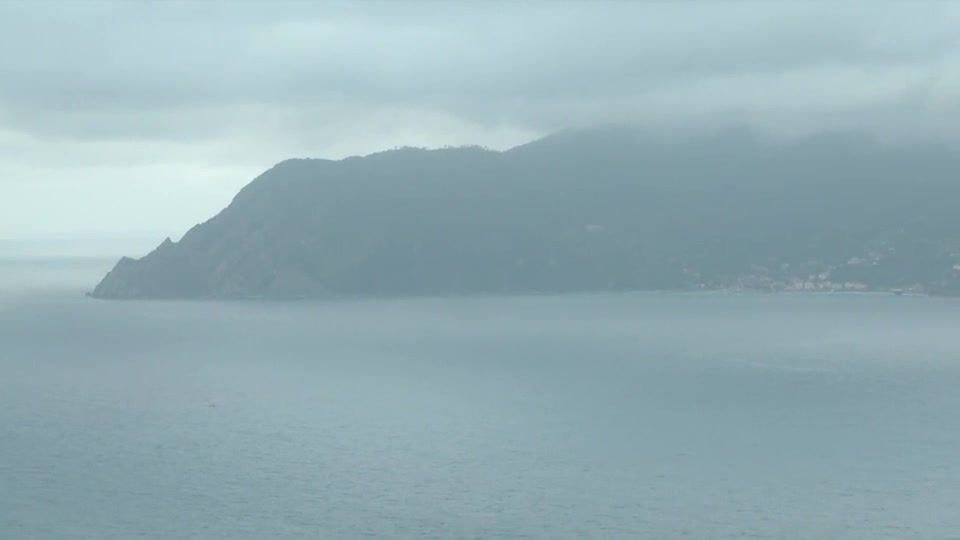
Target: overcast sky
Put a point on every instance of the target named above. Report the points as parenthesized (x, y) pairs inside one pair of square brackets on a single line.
[(139, 119)]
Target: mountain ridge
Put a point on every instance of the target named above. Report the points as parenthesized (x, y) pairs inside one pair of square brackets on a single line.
[(588, 210)]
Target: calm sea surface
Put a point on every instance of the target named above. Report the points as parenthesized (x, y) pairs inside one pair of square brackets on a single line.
[(587, 416)]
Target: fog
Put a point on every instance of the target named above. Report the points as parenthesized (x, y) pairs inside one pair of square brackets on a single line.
[(485, 269), (137, 120)]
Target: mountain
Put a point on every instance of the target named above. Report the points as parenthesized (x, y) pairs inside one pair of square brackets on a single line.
[(595, 210)]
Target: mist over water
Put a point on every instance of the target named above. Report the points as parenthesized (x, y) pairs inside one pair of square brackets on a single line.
[(611, 416), (470, 196)]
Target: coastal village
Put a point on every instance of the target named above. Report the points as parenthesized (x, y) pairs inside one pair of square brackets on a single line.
[(763, 278)]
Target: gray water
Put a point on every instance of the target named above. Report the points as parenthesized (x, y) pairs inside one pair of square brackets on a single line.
[(586, 416)]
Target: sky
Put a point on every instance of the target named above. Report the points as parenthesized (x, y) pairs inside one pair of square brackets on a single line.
[(130, 121)]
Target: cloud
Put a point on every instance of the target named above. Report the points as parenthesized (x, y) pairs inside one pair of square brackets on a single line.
[(135, 88), (468, 60)]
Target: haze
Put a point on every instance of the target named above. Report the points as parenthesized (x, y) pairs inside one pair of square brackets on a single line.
[(479, 269), (138, 120)]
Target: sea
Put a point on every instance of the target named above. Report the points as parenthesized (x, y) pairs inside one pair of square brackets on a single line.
[(709, 415)]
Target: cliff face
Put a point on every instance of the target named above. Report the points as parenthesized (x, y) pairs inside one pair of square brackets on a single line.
[(597, 210)]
